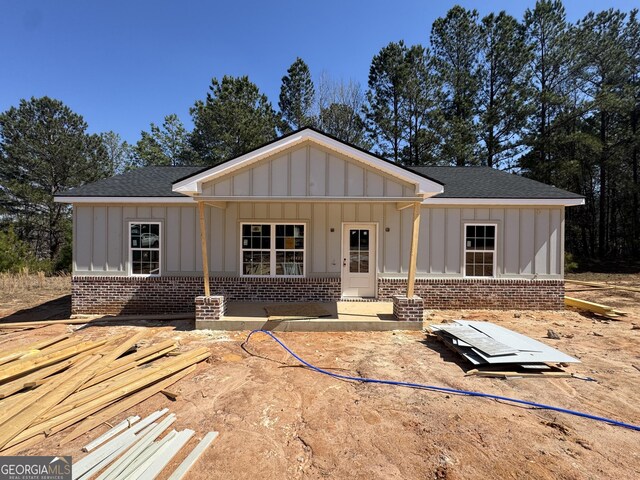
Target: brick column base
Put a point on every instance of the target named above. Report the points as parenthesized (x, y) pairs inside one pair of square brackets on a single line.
[(408, 309), (210, 308)]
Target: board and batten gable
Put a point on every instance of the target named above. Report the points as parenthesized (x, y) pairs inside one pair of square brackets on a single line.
[(529, 239), (308, 171)]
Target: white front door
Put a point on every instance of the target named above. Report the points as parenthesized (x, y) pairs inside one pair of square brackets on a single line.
[(359, 260)]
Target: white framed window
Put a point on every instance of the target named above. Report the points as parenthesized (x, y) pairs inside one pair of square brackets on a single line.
[(144, 248), (272, 249), (480, 249)]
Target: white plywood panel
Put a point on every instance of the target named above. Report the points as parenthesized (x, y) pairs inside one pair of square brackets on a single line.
[(334, 239), (375, 184), (172, 239), (423, 241), (158, 213), (541, 241), (298, 180), (318, 243), (304, 210), (393, 189), (377, 216), (355, 180), (511, 242), (453, 243), (84, 237), (392, 239), (114, 241), (468, 214), (223, 187), (143, 213), (99, 239), (482, 213), (260, 211), (336, 183), (280, 176), (437, 240), (317, 172), (197, 246), (363, 212), (216, 241), (290, 211), (245, 210), (231, 242), (527, 233), (188, 239), (260, 180), (275, 211), (406, 232), (242, 183), (554, 241), (349, 212)]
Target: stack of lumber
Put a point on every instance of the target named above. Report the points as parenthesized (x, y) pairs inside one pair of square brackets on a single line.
[(65, 380), (597, 308), (134, 450)]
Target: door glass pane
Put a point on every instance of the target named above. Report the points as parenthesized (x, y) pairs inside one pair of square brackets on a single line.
[(364, 262), (354, 239), (359, 250), (354, 262)]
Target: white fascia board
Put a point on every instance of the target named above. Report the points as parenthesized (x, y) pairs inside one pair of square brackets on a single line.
[(124, 200), (567, 202), (193, 185)]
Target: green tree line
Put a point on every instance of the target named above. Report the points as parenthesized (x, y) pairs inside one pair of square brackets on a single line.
[(538, 96)]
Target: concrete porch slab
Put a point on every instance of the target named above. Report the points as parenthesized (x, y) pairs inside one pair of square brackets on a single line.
[(345, 317)]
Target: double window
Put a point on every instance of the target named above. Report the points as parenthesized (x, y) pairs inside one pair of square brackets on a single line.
[(144, 247), (479, 250), (272, 249)]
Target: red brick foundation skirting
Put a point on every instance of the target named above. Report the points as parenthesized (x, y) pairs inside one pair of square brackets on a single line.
[(157, 295), (95, 295), (475, 293)]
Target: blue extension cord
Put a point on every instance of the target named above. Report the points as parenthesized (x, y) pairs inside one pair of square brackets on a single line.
[(441, 389)]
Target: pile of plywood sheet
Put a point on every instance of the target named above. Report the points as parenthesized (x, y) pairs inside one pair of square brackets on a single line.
[(134, 449), (487, 344), (47, 386)]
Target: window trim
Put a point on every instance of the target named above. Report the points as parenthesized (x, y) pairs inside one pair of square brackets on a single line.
[(131, 249), (494, 250), (273, 250)]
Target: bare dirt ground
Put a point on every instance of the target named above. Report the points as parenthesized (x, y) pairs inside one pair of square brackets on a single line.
[(279, 420)]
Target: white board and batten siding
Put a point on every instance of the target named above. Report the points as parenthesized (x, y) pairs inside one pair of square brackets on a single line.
[(529, 240), (309, 171)]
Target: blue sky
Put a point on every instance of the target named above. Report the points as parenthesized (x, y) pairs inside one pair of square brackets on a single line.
[(124, 64)]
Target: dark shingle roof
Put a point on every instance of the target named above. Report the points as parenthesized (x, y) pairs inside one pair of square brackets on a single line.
[(485, 182), (459, 182), (142, 182)]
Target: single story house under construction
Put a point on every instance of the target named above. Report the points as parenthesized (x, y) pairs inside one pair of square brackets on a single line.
[(310, 218)]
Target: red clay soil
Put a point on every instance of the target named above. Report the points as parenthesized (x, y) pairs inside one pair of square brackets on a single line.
[(280, 421)]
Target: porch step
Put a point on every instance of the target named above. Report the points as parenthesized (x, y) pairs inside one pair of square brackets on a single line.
[(314, 325)]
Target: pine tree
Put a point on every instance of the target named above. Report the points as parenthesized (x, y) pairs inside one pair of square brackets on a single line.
[(296, 96), (44, 150), (503, 94), (455, 40), (551, 69), (234, 118), (387, 80), (164, 145)]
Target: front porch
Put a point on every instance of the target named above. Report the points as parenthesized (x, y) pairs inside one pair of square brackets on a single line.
[(340, 316)]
